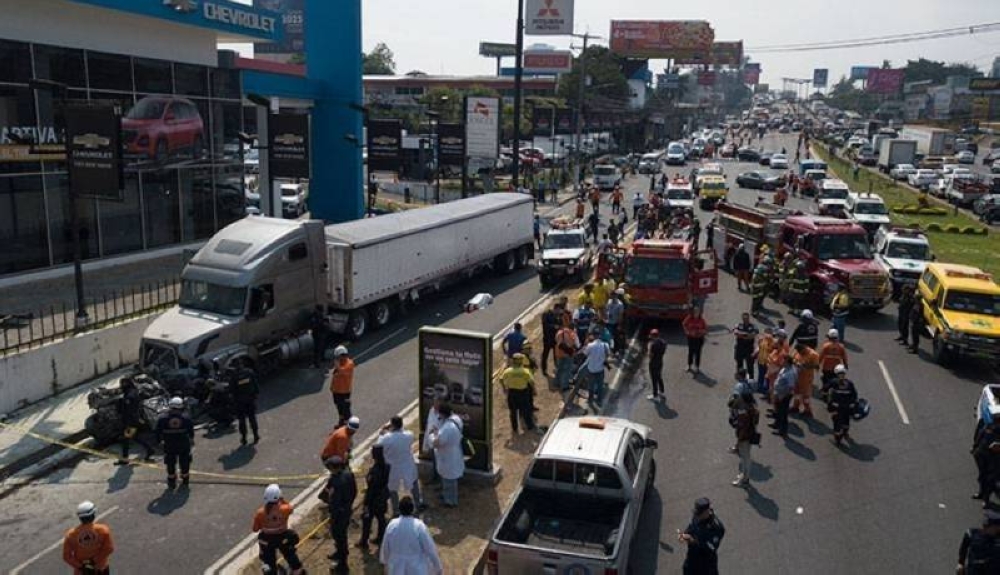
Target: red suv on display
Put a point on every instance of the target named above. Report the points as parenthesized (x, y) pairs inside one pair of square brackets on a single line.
[(158, 127)]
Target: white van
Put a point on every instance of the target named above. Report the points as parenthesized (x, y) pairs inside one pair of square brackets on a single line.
[(831, 199), (650, 163), (606, 176), (869, 210)]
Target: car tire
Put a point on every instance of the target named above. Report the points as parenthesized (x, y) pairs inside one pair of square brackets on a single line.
[(938, 351), (505, 263)]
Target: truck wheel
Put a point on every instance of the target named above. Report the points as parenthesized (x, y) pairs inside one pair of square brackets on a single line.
[(505, 263), (522, 257), (939, 354), (357, 324), (381, 314)]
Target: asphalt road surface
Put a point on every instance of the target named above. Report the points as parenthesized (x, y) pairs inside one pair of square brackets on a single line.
[(895, 502)]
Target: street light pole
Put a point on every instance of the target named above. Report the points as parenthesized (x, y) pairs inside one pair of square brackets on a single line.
[(518, 57), (578, 172)]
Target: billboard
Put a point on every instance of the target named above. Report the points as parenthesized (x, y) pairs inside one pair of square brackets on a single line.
[(861, 72), (761, 88), (751, 76), (727, 53), (984, 84), (451, 144), (456, 366), (292, 21), (542, 120), (884, 81), (482, 127), (548, 17), (820, 77), (497, 49), (684, 40), (547, 62), (93, 144), (385, 145), (289, 145), (706, 78)]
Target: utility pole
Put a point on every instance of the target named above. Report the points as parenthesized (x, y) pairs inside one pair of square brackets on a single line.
[(518, 70), (578, 172)]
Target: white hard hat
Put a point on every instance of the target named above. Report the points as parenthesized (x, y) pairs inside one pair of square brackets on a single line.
[(176, 403), (833, 333), (272, 493), (339, 351), (620, 291), (354, 423), (86, 509), (840, 369), (807, 314)]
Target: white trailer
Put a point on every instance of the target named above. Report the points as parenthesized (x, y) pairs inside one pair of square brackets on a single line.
[(930, 141), (893, 152)]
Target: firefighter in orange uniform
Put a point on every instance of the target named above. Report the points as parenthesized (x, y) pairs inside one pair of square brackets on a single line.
[(270, 523), (88, 546)]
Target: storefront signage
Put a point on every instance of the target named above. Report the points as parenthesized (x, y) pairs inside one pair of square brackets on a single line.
[(451, 144), (455, 367), (884, 81), (564, 121), (93, 144), (548, 62), (292, 21), (239, 18), (482, 127), (289, 145), (385, 145), (497, 50), (984, 84), (541, 121), (819, 77), (548, 17), (243, 18)]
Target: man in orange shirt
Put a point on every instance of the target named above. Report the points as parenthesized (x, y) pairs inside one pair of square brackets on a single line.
[(273, 535), (776, 358), (616, 200), (807, 361), (339, 442), (341, 382), (88, 546), (831, 354)]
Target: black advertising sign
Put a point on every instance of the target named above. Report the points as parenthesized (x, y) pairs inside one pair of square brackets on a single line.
[(564, 121), (451, 144), (93, 147), (541, 121), (385, 145), (455, 367), (289, 145)]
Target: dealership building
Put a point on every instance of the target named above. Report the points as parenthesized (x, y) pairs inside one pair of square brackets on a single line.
[(184, 103)]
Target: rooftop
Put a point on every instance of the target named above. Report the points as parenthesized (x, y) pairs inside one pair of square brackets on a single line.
[(570, 440)]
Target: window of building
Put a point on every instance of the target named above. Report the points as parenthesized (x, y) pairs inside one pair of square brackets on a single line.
[(63, 65), (161, 204), (121, 222), (226, 127), (109, 71), (60, 232), (409, 91), (155, 76), (15, 62), (197, 204), (230, 199), (226, 84), (23, 225), (17, 116), (191, 80)]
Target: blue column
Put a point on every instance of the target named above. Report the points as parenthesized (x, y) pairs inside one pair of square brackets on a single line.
[(333, 60)]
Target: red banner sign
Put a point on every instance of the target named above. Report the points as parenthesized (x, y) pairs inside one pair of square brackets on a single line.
[(884, 81), (685, 40)]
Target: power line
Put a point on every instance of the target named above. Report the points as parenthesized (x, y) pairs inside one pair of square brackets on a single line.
[(880, 40)]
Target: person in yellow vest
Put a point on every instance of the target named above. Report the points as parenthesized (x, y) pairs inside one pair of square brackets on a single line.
[(586, 296), (517, 381), (602, 291), (765, 342), (840, 306)]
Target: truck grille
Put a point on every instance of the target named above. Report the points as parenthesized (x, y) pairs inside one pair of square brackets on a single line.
[(983, 345), (867, 286)]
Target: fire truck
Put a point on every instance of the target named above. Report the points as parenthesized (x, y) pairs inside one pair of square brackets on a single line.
[(664, 278), (753, 226)]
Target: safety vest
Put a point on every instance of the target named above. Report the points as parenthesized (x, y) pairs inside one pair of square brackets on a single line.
[(88, 543), (831, 355), (516, 378), (799, 284), (840, 304), (342, 379), (758, 284)]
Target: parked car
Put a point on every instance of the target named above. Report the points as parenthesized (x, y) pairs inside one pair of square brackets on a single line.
[(965, 157), (747, 155), (159, 127), (995, 167), (922, 178), (990, 215), (985, 202), (765, 159), (902, 171), (779, 162), (991, 157), (759, 181)]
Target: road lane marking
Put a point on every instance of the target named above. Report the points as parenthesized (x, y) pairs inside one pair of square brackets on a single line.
[(895, 395), (379, 343), (20, 568)]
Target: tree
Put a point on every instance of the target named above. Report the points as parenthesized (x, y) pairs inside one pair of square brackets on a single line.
[(608, 86), (845, 96), (923, 69), (379, 62)]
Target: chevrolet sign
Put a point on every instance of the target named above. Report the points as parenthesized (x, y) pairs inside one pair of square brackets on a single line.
[(289, 139), (91, 141), (237, 17), (184, 6)]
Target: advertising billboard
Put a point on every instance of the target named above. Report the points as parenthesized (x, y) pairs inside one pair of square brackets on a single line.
[(456, 366), (860, 72), (482, 127), (706, 78), (292, 21), (884, 81), (820, 77), (548, 17), (385, 145), (289, 145), (750, 76), (684, 40), (541, 121), (547, 62), (984, 84), (94, 148), (727, 53), (497, 49), (451, 144)]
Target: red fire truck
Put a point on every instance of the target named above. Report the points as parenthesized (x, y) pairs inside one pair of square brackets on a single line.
[(753, 226)]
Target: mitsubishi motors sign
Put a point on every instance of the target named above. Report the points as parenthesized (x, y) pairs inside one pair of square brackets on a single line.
[(482, 127), (548, 17)]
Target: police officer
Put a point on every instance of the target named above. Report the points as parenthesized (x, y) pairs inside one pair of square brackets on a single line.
[(807, 332), (243, 388), (917, 324), (979, 553), (758, 289), (906, 300), (843, 400), (88, 546), (129, 407), (340, 491), (273, 535), (702, 536), (986, 454), (175, 431)]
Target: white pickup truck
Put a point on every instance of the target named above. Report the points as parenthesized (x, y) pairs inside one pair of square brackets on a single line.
[(580, 501)]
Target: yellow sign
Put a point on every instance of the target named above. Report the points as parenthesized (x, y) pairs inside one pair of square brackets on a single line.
[(981, 107)]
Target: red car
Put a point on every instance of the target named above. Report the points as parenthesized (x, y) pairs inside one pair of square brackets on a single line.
[(159, 127)]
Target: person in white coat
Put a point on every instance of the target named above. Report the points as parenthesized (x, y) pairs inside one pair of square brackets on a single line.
[(434, 421), (397, 446), (447, 442), (407, 546)]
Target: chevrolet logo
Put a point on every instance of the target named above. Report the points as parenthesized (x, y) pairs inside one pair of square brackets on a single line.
[(91, 141), (385, 141), (184, 6), (289, 140)]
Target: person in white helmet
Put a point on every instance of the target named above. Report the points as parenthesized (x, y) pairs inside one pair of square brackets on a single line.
[(176, 431), (87, 547), (270, 523), (831, 355), (807, 332), (843, 400), (342, 382)]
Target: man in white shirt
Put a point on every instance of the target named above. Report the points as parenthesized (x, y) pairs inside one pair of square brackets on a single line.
[(407, 546), (447, 442), (596, 352), (397, 446)]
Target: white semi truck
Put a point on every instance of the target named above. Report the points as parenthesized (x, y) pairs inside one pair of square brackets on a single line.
[(249, 293)]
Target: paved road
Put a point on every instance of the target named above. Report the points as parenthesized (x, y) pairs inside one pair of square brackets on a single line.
[(896, 502), (155, 529)]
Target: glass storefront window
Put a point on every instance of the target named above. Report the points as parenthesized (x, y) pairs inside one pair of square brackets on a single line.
[(121, 222), (226, 127), (23, 231), (60, 232), (191, 80), (226, 84), (61, 65), (230, 198), (154, 76), (17, 117), (161, 205), (197, 204), (15, 62), (109, 71)]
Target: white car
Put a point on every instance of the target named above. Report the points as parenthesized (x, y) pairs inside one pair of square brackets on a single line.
[(869, 210), (902, 171), (903, 253), (922, 178), (965, 157), (995, 167), (779, 162)]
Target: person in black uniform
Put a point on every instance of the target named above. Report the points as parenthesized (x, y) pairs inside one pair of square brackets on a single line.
[(843, 400), (375, 504), (657, 349), (129, 407), (551, 322), (903, 315), (320, 334), (917, 325), (746, 336), (340, 492), (243, 388), (979, 553), (176, 431), (985, 453), (702, 536), (807, 332)]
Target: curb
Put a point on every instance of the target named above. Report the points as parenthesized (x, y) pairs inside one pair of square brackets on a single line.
[(39, 463)]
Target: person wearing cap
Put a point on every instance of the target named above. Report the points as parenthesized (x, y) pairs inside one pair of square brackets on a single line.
[(408, 547), (397, 445), (807, 331), (513, 341), (702, 536), (745, 333), (656, 350), (614, 312), (843, 400), (979, 552), (840, 307), (695, 329), (516, 381), (87, 548), (339, 493), (270, 523), (918, 324), (175, 430), (742, 263), (807, 360), (243, 389), (342, 382), (339, 442), (448, 456), (831, 355)]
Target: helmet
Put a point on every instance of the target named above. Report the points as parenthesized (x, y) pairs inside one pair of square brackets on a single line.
[(800, 265), (354, 423), (806, 314), (833, 333), (862, 410), (654, 332), (781, 333), (86, 509), (840, 369), (339, 351), (620, 291), (176, 403), (272, 494)]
